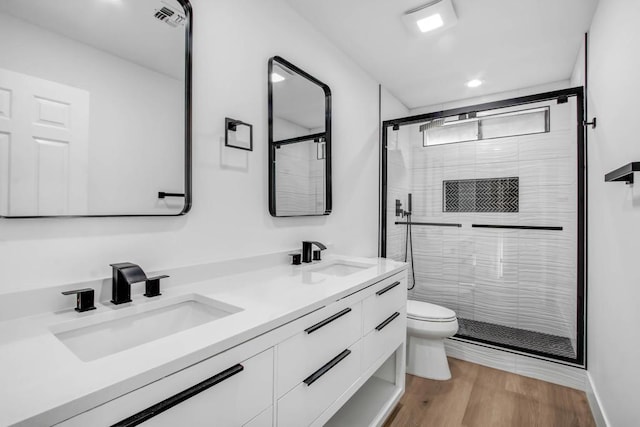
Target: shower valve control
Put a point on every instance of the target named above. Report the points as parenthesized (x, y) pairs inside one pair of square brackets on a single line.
[(401, 212)]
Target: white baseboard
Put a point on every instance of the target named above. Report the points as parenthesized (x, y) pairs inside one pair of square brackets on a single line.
[(544, 370), (594, 402)]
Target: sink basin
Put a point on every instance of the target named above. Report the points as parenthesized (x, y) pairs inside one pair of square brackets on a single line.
[(340, 268), (116, 332)]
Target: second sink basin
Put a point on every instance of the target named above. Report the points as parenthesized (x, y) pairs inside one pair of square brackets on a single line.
[(104, 337), (340, 268)]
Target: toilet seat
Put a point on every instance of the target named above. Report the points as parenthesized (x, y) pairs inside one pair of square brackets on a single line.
[(420, 310)]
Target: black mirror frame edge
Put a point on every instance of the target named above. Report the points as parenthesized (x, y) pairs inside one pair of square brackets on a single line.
[(188, 10), (272, 148)]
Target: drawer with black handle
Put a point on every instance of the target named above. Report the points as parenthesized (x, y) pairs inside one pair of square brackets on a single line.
[(385, 337), (338, 328), (389, 294), (318, 390), (216, 391)]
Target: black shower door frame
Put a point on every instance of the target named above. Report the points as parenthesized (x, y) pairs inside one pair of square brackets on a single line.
[(581, 282)]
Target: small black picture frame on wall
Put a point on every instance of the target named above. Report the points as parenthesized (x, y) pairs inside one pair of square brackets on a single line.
[(238, 134)]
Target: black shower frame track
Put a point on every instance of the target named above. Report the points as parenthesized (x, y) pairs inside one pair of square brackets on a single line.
[(581, 281)]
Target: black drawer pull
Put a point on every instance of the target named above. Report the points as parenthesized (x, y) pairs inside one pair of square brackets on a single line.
[(387, 289), (326, 368), (326, 321), (386, 322), (174, 400)]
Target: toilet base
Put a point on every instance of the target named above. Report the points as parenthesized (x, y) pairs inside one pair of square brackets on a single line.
[(426, 358)]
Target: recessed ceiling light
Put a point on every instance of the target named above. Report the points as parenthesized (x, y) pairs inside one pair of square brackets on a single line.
[(276, 78), (430, 23), (437, 15), (474, 83)]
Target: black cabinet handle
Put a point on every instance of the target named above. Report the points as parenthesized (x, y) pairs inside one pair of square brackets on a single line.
[(326, 368), (386, 322), (387, 289), (326, 321), (174, 400)]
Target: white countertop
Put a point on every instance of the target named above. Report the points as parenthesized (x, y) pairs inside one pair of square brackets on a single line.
[(43, 380)]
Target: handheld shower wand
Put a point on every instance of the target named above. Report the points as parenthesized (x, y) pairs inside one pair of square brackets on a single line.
[(409, 239)]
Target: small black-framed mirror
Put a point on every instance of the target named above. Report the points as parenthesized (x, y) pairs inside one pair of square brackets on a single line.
[(299, 142)]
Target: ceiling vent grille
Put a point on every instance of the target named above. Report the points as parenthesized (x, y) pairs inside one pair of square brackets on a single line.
[(170, 16)]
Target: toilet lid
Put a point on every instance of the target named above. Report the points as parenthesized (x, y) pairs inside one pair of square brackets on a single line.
[(421, 310)]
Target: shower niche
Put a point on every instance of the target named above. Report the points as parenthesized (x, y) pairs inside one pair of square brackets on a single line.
[(497, 226)]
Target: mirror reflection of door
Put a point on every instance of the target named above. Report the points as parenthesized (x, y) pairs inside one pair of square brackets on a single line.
[(93, 107), (300, 141), (45, 158)]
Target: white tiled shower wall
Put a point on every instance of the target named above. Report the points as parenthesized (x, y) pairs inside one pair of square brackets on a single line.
[(299, 180), (300, 174), (519, 278)]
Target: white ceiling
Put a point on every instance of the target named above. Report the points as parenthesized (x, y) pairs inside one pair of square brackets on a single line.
[(126, 29), (509, 44), (298, 100)]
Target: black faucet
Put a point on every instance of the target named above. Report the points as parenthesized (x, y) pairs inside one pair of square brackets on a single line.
[(307, 252), (84, 299), (124, 275)]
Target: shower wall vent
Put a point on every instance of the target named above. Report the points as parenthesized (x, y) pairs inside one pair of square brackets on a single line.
[(481, 195), (170, 16)]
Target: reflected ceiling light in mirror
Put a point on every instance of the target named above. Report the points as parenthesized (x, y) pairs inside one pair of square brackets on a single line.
[(276, 78), (437, 15), (474, 83)]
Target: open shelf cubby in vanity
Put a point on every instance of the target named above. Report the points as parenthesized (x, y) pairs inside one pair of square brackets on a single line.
[(377, 397)]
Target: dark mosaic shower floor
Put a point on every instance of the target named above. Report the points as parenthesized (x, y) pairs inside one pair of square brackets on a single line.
[(520, 338)]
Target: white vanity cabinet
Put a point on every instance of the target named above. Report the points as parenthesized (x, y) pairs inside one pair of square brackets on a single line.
[(308, 372), (363, 339), (217, 391)]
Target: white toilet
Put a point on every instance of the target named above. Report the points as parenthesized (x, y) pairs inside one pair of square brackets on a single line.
[(427, 327)]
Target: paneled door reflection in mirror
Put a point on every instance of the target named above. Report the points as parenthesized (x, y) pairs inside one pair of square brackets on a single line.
[(299, 142), (94, 107)]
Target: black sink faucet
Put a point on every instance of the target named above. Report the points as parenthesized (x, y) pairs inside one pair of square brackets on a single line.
[(307, 252), (124, 275)]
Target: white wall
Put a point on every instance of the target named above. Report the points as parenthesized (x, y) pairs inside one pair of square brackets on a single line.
[(398, 170), (233, 40), (614, 211)]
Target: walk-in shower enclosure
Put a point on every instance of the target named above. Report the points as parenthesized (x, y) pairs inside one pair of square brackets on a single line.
[(497, 218)]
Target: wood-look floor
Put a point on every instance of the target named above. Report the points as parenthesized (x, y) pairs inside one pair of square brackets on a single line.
[(478, 396)]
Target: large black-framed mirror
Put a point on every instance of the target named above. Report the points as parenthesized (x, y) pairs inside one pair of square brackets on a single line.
[(299, 142), (95, 108)]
